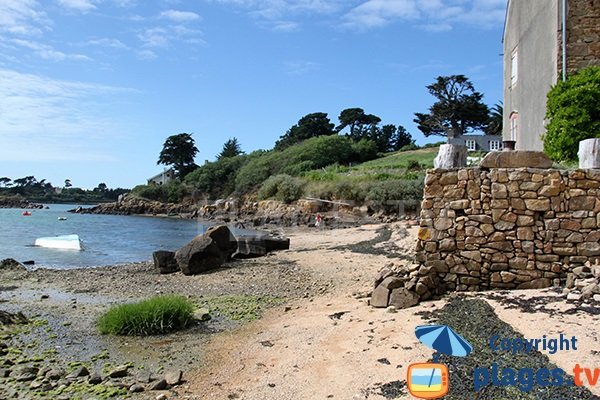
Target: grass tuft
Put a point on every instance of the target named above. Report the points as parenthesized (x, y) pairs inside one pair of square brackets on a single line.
[(157, 315)]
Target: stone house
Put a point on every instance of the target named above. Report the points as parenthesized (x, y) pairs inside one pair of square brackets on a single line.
[(544, 41), (163, 178)]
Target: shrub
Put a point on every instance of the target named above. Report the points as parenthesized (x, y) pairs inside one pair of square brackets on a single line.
[(217, 179), (573, 109), (150, 192), (409, 147), (311, 154), (282, 187), (157, 315)]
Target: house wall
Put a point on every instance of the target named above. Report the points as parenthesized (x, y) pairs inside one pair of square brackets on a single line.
[(507, 228), (531, 28), (583, 35), (483, 141)]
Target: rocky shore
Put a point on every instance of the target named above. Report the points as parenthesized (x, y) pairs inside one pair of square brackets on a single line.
[(250, 212), (280, 327), (18, 202)]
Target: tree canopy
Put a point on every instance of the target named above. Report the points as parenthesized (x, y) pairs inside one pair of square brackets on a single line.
[(573, 111), (495, 123), (360, 123), (458, 110), (179, 152), (311, 125), (231, 148)]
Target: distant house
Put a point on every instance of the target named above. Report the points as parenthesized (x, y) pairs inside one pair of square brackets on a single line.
[(163, 178), (536, 57), (478, 142)]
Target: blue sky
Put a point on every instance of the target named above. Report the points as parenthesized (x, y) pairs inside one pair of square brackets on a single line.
[(90, 89)]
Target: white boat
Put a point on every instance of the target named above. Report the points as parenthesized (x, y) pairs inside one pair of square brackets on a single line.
[(62, 218), (67, 242)]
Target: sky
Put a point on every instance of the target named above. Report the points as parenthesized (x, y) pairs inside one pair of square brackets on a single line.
[(90, 89)]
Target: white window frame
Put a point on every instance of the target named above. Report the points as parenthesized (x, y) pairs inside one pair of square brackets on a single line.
[(514, 68), (495, 145), (471, 144), (514, 125)]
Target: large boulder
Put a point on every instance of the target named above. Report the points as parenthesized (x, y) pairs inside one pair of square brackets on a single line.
[(206, 252), (516, 159), (165, 261), (258, 246)]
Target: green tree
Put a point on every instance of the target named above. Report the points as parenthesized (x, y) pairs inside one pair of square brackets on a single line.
[(5, 181), (231, 148), (573, 111), (179, 152), (25, 181), (361, 124), (494, 126), (309, 126), (101, 188), (459, 108)]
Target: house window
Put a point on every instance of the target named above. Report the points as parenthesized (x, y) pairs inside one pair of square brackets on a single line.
[(471, 144), (514, 125), (514, 68), (495, 145)]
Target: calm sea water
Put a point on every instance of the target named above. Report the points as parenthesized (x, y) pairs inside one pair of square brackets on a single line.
[(107, 239)]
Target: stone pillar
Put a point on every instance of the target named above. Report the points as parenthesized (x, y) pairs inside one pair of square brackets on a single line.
[(451, 156), (589, 153)]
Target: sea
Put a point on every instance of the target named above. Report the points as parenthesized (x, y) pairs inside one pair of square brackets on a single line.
[(107, 239)]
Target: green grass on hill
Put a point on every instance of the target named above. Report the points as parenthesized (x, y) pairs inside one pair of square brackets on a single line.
[(401, 159)]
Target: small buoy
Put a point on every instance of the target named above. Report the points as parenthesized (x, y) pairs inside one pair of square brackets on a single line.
[(26, 213)]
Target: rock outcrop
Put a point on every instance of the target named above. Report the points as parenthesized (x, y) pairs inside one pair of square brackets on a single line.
[(258, 246), (165, 261), (207, 251)]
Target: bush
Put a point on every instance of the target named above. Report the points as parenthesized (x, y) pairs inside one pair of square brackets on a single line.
[(311, 154), (409, 147), (154, 316), (217, 179), (172, 192), (573, 109), (150, 192), (281, 187)]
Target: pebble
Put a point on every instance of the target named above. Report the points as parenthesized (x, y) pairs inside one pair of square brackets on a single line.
[(158, 385), (573, 296), (391, 310), (136, 388), (161, 396), (174, 377)]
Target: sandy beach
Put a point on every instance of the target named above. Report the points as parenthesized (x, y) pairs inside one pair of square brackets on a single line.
[(317, 337)]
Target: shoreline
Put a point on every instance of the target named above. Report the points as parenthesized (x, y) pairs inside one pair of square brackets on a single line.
[(304, 320)]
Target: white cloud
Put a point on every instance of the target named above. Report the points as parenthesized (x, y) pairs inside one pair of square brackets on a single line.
[(180, 16), (56, 119), (431, 15), (300, 67), (146, 54), (164, 36), (47, 52), (22, 17), (275, 14), (79, 5), (108, 42)]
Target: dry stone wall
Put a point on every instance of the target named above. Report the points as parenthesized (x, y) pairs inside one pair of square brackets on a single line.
[(507, 228), (583, 35)]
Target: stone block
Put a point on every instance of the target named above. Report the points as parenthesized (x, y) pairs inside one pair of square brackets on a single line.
[(380, 297), (516, 159), (537, 204)]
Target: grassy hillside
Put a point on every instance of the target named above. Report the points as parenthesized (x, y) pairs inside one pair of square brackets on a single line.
[(329, 168)]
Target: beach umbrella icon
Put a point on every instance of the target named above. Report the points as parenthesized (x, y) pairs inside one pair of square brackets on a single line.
[(443, 339)]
